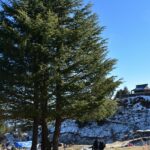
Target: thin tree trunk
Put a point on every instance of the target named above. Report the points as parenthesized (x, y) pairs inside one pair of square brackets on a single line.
[(35, 134), (56, 133), (44, 104), (58, 119), (35, 118)]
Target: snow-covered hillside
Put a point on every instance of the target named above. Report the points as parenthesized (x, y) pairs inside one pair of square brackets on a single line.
[(133, 114)]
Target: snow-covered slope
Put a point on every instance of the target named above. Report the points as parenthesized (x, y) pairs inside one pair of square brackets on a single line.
[(133, 114)]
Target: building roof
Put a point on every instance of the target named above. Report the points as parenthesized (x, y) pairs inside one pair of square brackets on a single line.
[(141, 87)]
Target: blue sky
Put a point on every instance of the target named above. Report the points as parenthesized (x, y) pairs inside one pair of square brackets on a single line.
[(128, 31)]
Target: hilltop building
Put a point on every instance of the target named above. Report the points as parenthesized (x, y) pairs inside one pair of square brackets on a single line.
[(141, 89)]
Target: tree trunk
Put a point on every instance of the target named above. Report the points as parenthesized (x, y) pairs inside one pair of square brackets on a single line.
[(44, 105), (35, 118), (56, 133), (35, 134), (45, 145)]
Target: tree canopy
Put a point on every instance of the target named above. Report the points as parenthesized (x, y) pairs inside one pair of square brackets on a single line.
[(53, 63), (122, 93)]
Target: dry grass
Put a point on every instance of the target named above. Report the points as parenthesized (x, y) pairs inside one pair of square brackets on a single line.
[(79, 147), (72, 147), (130, 148)]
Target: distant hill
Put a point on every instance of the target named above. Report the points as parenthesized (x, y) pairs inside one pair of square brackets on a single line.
[(132, 115)]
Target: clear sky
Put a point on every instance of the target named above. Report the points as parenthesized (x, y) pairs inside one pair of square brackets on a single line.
[(128, 31)]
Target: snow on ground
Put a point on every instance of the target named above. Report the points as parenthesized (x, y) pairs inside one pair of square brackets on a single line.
[(129, 118)]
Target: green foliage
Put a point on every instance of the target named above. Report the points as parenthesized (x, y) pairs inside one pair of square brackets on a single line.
[(25, 31), (53, 62), (106, 109), (3, 129), (122, 93), (53, 52), (81, 70)]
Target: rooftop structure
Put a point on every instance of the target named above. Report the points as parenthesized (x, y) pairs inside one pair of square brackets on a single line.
[(141, 89)]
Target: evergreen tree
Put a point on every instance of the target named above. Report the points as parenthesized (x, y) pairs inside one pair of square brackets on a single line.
[(26, 27), (80, 69), (126, 91), (53, 64), (118, 94), (122, 92)]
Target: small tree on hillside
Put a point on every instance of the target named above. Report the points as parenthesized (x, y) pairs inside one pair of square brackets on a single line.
[(122, 92)]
